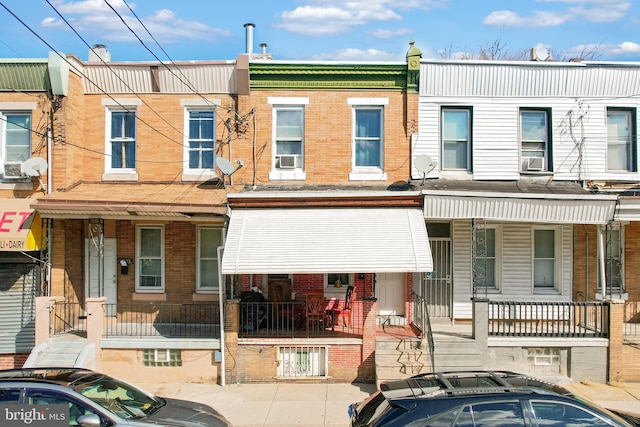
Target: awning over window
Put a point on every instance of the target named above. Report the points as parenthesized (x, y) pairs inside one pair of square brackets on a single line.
[(20, 226), (321, 240), (559, 209)]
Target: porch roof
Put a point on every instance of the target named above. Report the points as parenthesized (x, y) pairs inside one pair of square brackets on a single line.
[(321, 240), (109, 200)]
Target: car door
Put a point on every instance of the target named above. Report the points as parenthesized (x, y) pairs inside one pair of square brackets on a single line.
[(53, 397)]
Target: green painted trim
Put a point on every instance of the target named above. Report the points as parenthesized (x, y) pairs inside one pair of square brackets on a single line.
[(280, 76), (24, 77)]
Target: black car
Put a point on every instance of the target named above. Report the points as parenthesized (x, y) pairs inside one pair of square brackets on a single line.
[(98, 400), (474, 399)]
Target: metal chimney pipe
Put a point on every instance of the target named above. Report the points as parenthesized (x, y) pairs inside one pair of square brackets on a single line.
[(263, 48), (249, 27)]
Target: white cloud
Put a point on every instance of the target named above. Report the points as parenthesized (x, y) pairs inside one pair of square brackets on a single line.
[(351, 54), (610, 13), (96, 20), (322, 17), (507, 18), (390, 34)]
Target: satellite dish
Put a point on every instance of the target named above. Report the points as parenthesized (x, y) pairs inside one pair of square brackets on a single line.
[(541, 53), (424, 164), (225, 166), (35, 166)]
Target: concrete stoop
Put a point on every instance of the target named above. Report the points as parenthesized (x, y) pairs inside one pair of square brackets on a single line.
[(63, 351), (453, 353), (398, 358)]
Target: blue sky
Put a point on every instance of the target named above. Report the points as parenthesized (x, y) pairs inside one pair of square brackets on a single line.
[(321, 29)]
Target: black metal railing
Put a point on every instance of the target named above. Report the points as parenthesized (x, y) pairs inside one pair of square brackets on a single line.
[(68, 318), (631, 327), (425, 325), (290, 319), (549, 319), (168, 320)]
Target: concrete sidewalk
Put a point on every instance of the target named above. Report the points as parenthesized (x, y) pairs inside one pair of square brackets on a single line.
[(273, 404), (287, 404)]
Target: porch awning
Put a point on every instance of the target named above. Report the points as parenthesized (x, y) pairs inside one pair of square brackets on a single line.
[(556, 208), (321, 240), (20, 226)]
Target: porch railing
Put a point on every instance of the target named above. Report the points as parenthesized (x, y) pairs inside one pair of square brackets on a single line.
[(167, 320), (425, 325), (631, 319), (548, 319), (289, 319), (68, 318)]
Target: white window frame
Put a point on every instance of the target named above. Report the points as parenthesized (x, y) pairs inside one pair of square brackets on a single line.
[(367, 173), (109, 140), (199, 259), (343, 286), (139, 287), (497, 286), (628, 142), (4, 131), (545, 141), (198, 174), (447, 141), (282, 103), (557, 259)]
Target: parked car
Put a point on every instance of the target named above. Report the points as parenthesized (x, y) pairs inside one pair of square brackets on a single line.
[(471, 398), (95, 399)]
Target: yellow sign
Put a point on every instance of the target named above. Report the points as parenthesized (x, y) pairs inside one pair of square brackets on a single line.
[(20, 226)]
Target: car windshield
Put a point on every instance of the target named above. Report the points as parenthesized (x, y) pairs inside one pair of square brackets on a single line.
[(116, 396)]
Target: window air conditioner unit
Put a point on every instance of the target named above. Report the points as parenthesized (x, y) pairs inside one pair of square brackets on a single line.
[(287, 162), (534, 163), (13, 170)]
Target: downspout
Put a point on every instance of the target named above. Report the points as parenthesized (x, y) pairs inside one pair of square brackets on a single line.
[(601, 262), (49, 220), (220, 249)]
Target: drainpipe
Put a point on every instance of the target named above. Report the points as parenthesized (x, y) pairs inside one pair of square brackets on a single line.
[(221, 303), (49, 220)]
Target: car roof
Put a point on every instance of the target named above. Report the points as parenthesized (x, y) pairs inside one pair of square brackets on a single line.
[(52, 375), (459, 383)]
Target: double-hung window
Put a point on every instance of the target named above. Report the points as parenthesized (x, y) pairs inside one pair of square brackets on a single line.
[(16, 143), (289, 137), (535, 140), (546, 256), (122, 140), (150, 258), (486, 271), (209, 239), (368, 138), (614, 259), (621, 140), (456, 138), (201, 140)]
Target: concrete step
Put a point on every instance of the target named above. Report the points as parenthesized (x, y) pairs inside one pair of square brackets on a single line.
[(398, 358), (63, 351), (453, 353)]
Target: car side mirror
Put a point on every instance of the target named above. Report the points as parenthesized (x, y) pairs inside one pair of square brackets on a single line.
[(89, 420)]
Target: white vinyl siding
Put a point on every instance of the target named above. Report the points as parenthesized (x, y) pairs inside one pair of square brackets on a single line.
[(517, 266), (577, 96)]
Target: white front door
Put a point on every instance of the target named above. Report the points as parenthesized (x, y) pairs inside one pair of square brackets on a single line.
[(390, 291), (101, 281)]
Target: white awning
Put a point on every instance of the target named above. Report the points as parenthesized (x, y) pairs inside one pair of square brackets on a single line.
[(560, 209), (322, 240)]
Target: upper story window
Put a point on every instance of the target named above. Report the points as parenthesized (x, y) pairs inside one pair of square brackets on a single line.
[(368, 138), (150, 258), (209, 239), (201, 144), (621, 137), (288, 138), (535, 140), (15, 143), (456, 138), (122, 141)]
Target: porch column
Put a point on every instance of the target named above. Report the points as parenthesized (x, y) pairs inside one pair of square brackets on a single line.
[(44, 305), (480, 327), (369, 330), (95, 321), (231, 329), (617, 361)]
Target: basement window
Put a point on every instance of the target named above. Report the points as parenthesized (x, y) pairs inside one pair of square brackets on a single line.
[(161, 357), (302, 362)]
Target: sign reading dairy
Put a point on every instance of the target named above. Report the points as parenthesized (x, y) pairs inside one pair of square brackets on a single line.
[(20, 226)]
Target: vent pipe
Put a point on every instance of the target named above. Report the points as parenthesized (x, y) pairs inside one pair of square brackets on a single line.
[(249, 27), (99, 53), (263, 48)]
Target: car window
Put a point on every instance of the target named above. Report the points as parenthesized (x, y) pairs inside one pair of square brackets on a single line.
[(9, 395), (561, 414), (45, 397), (503, 414)]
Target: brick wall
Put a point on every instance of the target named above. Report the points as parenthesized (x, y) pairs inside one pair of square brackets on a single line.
[(11, 361)]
